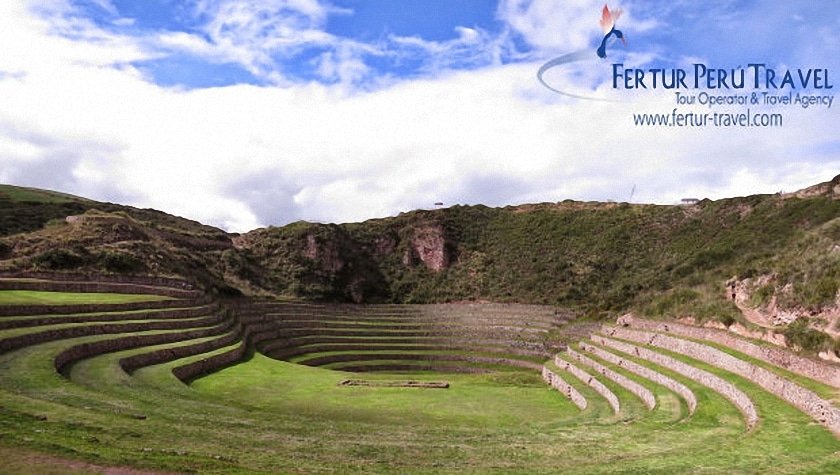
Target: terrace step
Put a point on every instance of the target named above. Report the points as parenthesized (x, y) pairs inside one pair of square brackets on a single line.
[(819, 370), (359, 357), (52, 309), (62, 332), (590, 381), (654, 376), (712, 381), (186, 349), (297, 351), (310, 333), (803, 399), (174, 289), (160, 314), (645, 394), (553, 380)]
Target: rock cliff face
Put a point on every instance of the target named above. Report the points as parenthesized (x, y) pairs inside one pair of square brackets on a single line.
[(325, 253), (328, 261), (429, 246)]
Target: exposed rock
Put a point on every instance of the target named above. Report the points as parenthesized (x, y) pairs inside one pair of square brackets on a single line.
[(830, 189), (428, 244), (384, 245), (327, 253)]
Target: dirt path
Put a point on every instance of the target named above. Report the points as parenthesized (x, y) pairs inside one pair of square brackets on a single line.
[(24, 461), (754, 316)]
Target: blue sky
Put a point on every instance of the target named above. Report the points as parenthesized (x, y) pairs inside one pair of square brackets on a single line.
[(400, 39), (247, 113)]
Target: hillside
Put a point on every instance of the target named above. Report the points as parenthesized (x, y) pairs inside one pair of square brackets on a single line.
[(778, 253), (125, 343), (597, 257), (45, 231)]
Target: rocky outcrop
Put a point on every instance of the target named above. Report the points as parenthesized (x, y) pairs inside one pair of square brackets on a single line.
[(325, 253), (428, 245)]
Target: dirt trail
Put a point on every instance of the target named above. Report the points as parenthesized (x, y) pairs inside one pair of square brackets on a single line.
[(754, 316), (20, 460)]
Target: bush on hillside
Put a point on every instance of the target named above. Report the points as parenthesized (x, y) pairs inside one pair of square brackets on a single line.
[(801, 335), (120, 262), (60, 259)]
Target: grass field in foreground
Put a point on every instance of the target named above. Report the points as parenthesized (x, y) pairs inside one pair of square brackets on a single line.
[(268, 416), (37, 297), (509, 422)]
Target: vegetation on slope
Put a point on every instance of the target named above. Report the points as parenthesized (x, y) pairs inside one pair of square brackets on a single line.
[(44, 231), (600, 258)]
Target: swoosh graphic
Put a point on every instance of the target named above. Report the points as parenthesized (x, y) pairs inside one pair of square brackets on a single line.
[(577, 56)]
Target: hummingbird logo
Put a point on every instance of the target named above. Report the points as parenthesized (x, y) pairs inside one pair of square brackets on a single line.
[(608, 19)]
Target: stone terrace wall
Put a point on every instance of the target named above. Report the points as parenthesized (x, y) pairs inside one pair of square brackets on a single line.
[(590, 381), (642, 392), (104, 317), (205, 366), (44, 336), (100, 287), (821, 371), (717, 384), (64, 361), (27, 310), (802, 398), (430, 357), (105, 278), (132, 363), (557, 383), (645, 372)]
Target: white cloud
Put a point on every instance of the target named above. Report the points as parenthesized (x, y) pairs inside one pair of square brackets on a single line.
[(77, 119), (253, 32), (550, 25)]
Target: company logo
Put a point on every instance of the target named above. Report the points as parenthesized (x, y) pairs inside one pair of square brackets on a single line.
[(608, 19), (731, 96), (611, 33)]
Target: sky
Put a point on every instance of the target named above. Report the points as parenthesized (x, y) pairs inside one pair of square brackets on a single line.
[(250, 113)]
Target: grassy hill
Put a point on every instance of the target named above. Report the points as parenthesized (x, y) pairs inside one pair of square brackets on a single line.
[(44, 231), (120, 349), (598, 258)]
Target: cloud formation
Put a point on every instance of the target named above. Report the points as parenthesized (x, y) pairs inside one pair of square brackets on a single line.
[(336, 128)]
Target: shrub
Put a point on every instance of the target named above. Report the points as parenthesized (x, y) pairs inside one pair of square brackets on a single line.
[(115, 261), (762, 295), (800, 334), (57, 259), (817, 294)]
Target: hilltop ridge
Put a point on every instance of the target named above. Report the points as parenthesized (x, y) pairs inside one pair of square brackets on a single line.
[(781, 251)]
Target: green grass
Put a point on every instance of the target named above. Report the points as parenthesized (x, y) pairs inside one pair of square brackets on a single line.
[(268, 416), (36, 297), (470, 400), (34, 195)]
